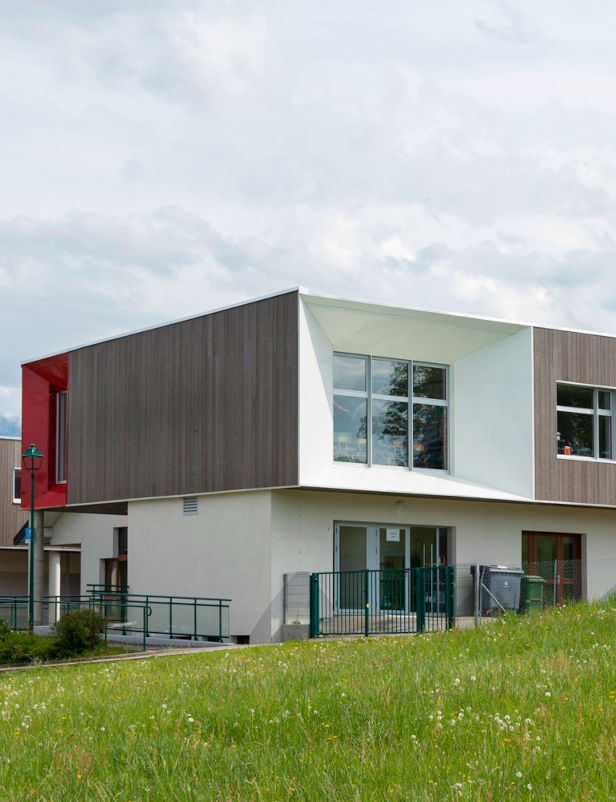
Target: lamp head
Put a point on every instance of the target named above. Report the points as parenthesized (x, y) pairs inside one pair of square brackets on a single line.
[(32, 459)]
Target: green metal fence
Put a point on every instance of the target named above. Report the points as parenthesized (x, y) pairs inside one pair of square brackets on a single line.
[(385, 601), (169, 616), (14, 610), (141, 615)]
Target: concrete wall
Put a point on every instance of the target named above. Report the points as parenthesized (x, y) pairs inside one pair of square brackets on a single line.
[(223, 552), (95, 535), (492, 409)]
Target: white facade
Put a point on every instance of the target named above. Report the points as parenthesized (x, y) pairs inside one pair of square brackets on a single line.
[(491, 444), (240, 545)]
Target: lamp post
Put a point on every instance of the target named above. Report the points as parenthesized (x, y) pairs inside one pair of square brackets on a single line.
[(32, 460)]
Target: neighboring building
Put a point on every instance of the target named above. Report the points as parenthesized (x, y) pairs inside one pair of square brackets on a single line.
[(13, 519), (297, 432)]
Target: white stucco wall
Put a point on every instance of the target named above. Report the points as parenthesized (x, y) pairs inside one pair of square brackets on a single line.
[(484, 533), (223, 552), (94, 533), (492, 408), (316, 434)]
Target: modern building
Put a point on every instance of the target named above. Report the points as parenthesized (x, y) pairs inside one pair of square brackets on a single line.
[(297, 432)]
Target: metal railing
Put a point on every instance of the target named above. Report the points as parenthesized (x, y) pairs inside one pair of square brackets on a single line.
[(169, 616), (14, 610), (384, 601)]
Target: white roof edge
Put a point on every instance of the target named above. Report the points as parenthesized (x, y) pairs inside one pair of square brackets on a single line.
[(8, 437), (521, 324), (298, 289)]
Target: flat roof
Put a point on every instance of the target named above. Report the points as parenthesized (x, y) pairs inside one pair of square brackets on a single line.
[(330, 300)]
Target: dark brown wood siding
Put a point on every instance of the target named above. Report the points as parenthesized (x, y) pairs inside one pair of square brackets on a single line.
[(574, 357), (207, 404), (11, 516)]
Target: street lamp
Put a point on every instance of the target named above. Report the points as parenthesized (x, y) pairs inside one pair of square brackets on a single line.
[(32, 460)]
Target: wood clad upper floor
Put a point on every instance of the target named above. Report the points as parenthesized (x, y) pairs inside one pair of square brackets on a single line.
[(12, 518), (584, 359), (202, 405)]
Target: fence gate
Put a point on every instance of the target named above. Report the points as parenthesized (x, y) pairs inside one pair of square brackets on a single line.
[(385, 601)]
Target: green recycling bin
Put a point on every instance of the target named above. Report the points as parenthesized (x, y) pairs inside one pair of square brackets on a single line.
[(531, 595)]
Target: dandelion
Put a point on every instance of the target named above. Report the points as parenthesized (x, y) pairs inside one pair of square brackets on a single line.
[(518, 774)]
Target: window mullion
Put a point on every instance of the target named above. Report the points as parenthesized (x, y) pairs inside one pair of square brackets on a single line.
[(369, 413), (411, 418)]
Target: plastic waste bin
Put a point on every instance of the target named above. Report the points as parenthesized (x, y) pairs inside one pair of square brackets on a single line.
[(499, 589), (531, 595)]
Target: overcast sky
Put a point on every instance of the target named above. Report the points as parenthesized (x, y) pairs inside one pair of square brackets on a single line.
[(164, 157)]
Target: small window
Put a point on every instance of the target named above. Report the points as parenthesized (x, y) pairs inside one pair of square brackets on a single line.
[(190, 506), (584, 422), (61, 437), (122, 541), (16, 485)]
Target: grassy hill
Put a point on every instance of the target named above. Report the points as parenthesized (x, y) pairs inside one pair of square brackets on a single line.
[(521, 709)]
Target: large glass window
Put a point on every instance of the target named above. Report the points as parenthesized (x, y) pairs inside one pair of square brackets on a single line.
[(390, 412), (584, 421)]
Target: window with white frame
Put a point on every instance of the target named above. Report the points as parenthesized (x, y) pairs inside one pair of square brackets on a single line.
[(584, 421), (16, 485), (372, 422)]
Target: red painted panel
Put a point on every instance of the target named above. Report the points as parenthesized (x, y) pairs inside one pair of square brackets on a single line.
[(41, 380)]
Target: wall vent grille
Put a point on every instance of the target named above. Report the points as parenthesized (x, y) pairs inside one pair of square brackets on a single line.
[(190, 506)]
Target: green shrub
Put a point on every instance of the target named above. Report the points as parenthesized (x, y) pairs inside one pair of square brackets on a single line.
[(23, 647), (78, 631)]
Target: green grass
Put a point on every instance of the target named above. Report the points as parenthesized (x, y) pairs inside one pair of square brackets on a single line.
[(521, 709)]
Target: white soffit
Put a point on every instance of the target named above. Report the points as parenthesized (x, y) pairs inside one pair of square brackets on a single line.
[(363, 328), (401, 482)]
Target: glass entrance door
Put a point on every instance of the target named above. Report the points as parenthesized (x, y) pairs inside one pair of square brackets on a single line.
[(557, 558), (352, 548), (392, 548), (371, 547)]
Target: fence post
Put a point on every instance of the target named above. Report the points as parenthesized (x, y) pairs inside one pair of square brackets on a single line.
[(367, 603), (555, 569), (451, 596), (421, 599), (314, 605), (476, 594)]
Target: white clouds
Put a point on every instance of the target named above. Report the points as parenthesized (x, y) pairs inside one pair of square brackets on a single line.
[(161, 158)]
